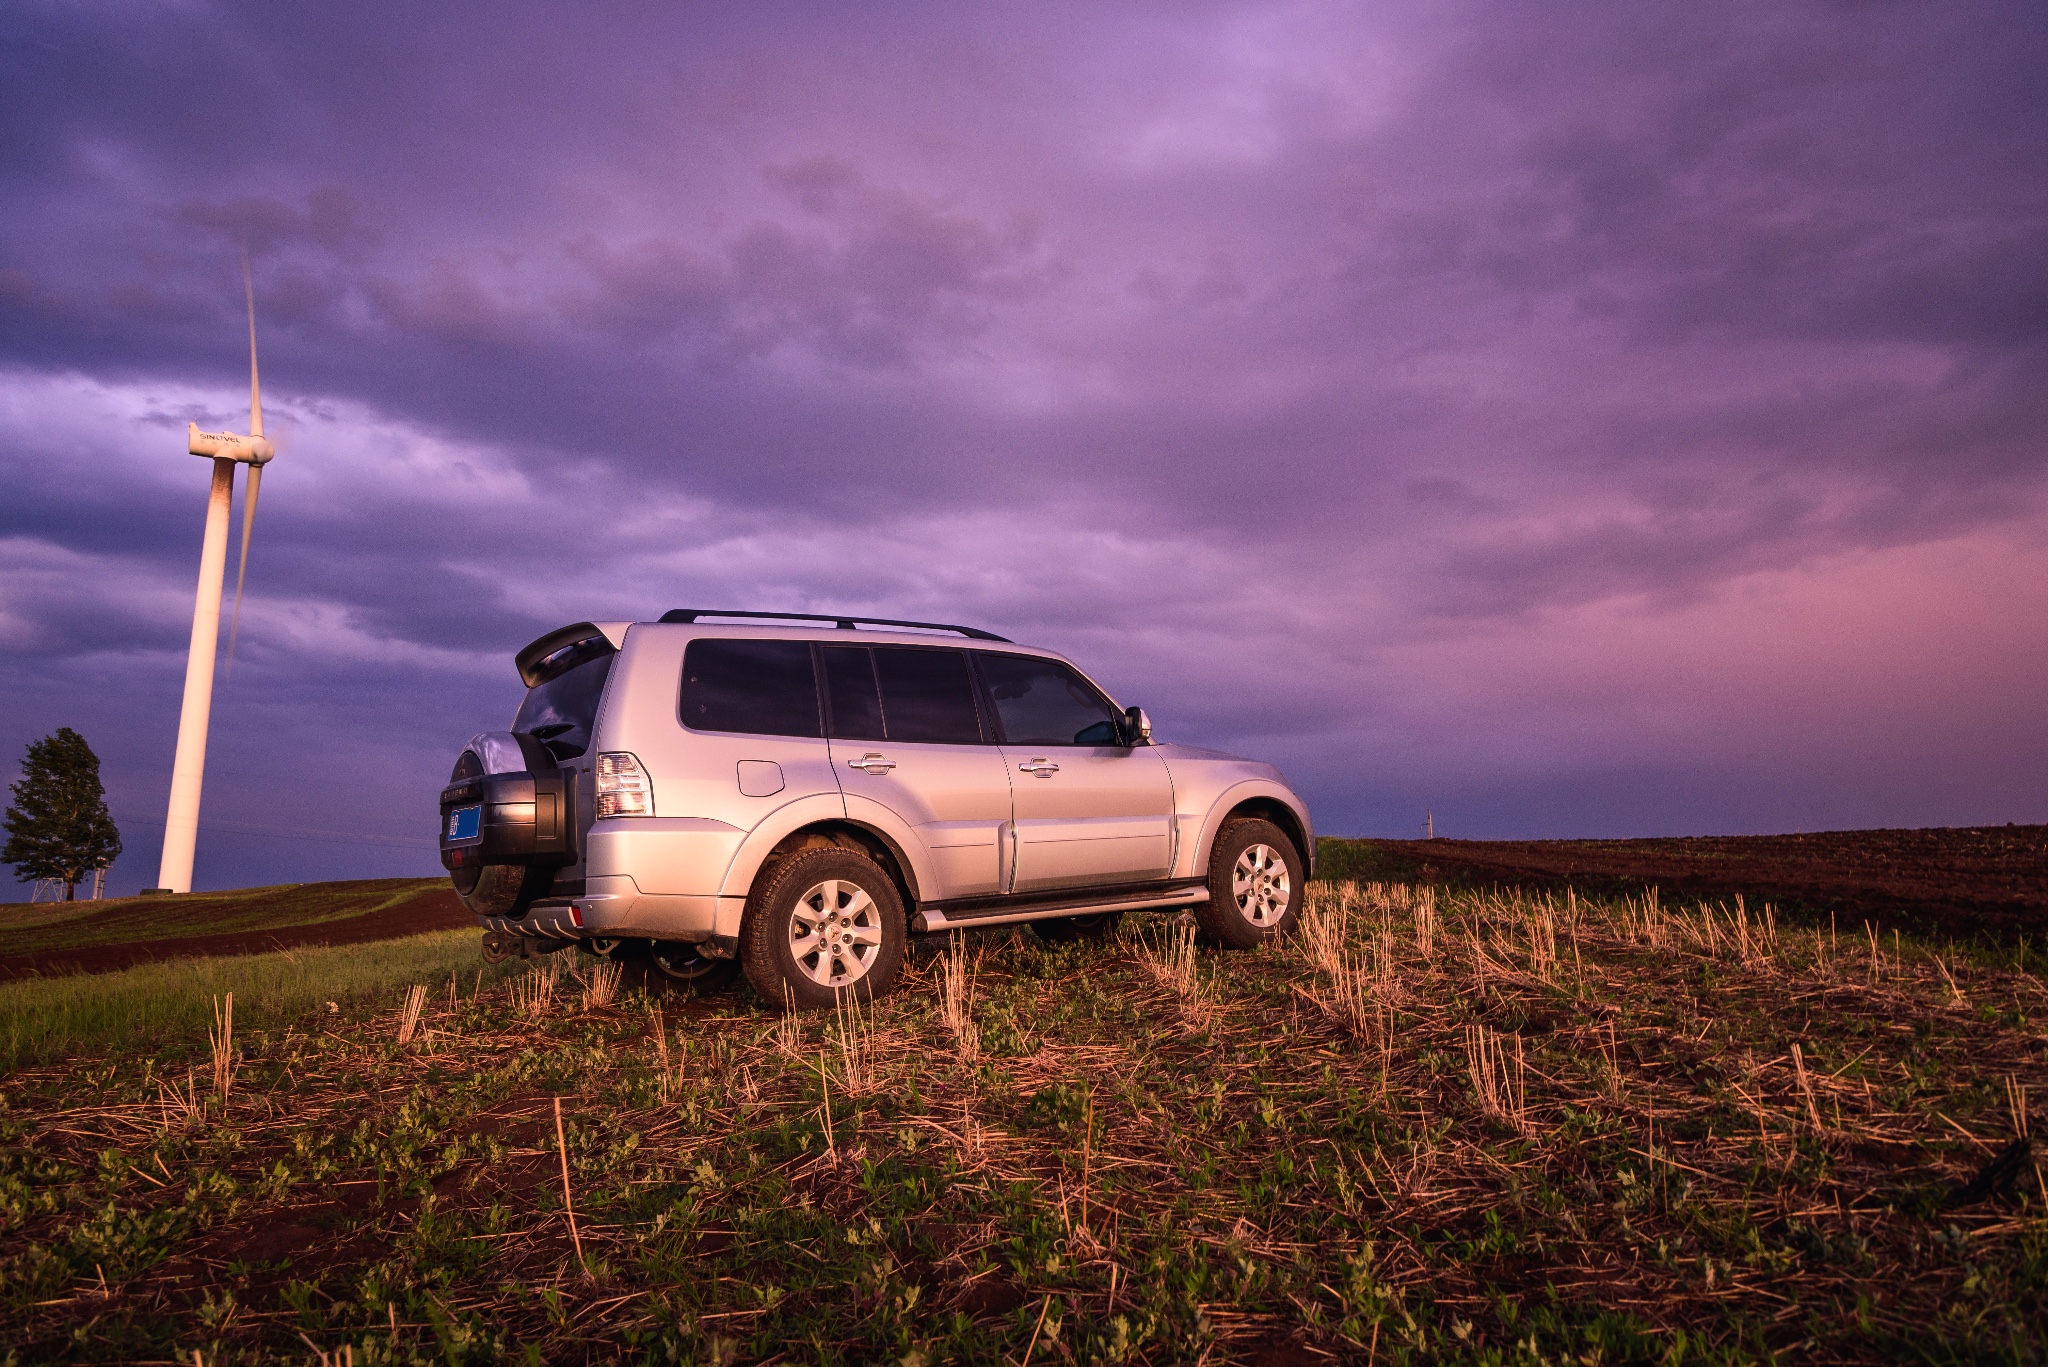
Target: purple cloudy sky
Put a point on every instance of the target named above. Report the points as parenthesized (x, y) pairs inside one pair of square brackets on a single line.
[(1597, 418)]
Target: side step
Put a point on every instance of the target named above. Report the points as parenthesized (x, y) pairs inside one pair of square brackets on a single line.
[(934, 919)]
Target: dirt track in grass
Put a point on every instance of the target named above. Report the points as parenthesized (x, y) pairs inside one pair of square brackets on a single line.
[(1961, 883), (54, 938)]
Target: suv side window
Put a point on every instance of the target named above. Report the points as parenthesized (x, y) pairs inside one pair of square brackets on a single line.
[(910, 694), (1042, 702), (850, 685), (927, 695), (766, 688)]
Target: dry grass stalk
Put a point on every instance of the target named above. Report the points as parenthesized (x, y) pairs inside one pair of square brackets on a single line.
[(222, 1038), (1955, 994), (788, 1031), (956, 1000), (181, 1105), (601, 988), (1542, 929), (1499, 1079), (409, 1016), (533, 992), (661, 1057), (2016, 1104), (1172, 962), (1806, 1089), (857, 1045), (568, 1206), (1423, 908), (1348, 988)]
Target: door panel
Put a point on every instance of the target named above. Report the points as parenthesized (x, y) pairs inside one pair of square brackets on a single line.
[(954, 797), (1104, 817), (1088, 810), (911, 710)]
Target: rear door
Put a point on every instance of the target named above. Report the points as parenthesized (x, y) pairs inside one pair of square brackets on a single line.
[(1089, 810), (907, 733)]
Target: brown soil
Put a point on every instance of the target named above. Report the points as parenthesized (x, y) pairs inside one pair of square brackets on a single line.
[(1988, 882), (133, 930)]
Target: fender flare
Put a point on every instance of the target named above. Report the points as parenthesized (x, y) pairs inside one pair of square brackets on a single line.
[(773, 829), (1236, 795), (820, 810)]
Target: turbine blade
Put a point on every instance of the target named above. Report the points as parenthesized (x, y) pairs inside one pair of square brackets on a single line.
[(248, 522), (255, 389)]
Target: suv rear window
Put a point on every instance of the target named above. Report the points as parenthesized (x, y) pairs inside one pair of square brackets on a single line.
[(560, 712), (766, 688), (1042, 702)]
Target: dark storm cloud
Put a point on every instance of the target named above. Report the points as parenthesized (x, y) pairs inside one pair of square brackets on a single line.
[(1283, 361)]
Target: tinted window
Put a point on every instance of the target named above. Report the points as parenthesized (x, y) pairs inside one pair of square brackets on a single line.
[(850, 685), (763, 687), (1042, 702), (562, 711), (927, 695)]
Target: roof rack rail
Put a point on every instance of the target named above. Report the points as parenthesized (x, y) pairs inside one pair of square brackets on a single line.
[(844, 623)]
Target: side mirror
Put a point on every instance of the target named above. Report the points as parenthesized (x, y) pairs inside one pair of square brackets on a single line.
[(1137, 725)]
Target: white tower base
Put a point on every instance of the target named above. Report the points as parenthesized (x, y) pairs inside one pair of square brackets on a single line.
[(181, 823)]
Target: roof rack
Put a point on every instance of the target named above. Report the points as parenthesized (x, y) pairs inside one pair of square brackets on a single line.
[(843, 623)]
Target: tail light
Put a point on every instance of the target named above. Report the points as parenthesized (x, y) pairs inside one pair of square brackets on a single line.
[(622, 787)]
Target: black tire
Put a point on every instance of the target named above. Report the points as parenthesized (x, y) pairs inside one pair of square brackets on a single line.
[(1061, 930), (505, 889), (679, 966), (1266, 905), (840, 893)]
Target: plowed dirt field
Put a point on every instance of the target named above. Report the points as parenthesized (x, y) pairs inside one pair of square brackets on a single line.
[(98, 937), (1988, 882)]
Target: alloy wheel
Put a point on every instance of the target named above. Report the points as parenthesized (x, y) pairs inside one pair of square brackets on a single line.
[(835, 933), (1261, 885)]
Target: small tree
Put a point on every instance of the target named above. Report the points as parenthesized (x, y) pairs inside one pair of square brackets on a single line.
[(58, 826)]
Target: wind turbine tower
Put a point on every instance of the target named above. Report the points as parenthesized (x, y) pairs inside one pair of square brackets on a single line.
[(226, 450)]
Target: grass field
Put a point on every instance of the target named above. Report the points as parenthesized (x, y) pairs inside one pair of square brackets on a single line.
[(1439, 1125), (157, 1003)]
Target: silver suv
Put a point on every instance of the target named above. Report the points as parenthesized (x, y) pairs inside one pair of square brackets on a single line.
[(797, 795)]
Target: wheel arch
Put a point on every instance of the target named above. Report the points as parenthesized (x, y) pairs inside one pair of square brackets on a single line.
[(845, 833), (1263, 801)]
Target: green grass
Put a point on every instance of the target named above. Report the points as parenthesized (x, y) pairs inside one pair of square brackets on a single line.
[(1439, 1126), (46, 1018)]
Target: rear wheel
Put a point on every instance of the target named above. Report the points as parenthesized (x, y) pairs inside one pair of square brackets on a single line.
[(679, 965), (1063, 929), (823, 923), (1255, 885)]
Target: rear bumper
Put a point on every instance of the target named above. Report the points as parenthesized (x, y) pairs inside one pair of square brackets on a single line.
[(613, 907)]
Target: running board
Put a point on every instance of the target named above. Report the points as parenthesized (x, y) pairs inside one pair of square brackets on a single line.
[(935, 919)]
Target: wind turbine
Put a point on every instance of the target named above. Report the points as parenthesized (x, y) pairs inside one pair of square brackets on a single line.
[(226, 450)]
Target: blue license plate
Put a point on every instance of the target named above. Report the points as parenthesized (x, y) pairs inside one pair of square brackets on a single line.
[(465, 822)]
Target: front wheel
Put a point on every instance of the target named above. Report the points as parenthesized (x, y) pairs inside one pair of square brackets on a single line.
[(1255, 885), (827, 922)]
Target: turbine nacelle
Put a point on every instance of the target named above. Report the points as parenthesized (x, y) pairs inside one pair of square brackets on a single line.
[(228, 445)]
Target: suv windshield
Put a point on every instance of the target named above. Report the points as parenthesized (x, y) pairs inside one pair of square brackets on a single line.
[(561, 711)]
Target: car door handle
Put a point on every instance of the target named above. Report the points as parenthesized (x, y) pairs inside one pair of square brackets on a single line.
[(872, 763), (1042, 768)]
